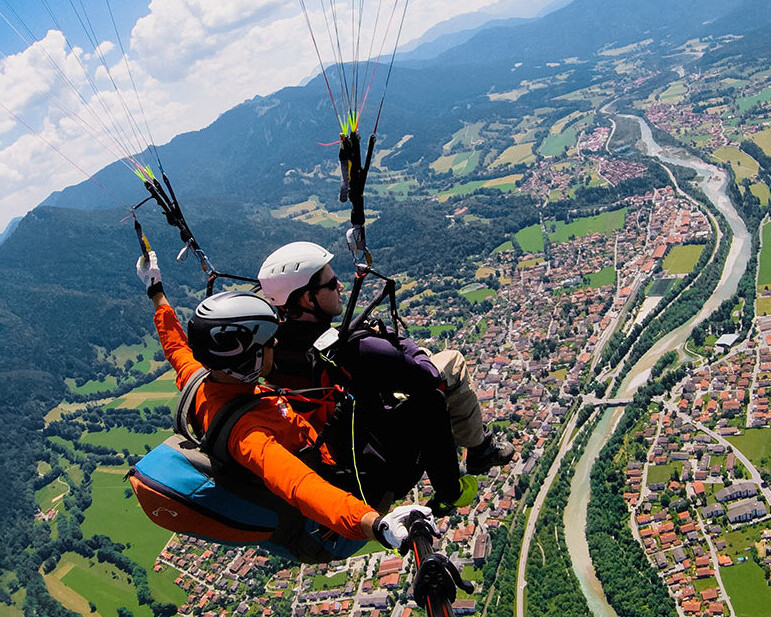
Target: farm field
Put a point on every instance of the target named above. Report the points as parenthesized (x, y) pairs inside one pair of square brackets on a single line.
[(682, 258), (459, 164), (504, 184), (743, 165), (554, 145), (761, 191), (763, 139), (764, 268), (600, 223), (514, 155), (530, 239)]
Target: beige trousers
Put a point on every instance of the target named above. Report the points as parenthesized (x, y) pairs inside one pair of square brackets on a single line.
[(462, 402)]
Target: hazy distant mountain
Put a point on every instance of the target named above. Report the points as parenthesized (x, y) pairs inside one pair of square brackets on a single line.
[(13, 224), (246, 157)]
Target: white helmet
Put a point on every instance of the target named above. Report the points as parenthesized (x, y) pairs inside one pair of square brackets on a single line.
[(290, 268)]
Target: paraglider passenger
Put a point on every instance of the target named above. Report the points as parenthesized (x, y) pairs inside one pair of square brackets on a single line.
[(233, 334), (299, 279)]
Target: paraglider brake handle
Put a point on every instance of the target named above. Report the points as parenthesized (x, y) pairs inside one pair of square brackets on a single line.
[(437, 578)]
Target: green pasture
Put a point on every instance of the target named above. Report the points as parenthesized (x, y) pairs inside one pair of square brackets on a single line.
[(459, 164), (682, 258), (161, 385), (764, 306), (515, 155), (92, 386), (51, 494), (113, 514), (505, 246), (662, 473), (600, 223), (761, 191), (147, 348), (755, 444), (149, 401), (101, 583), (477, 295), (369, 548), (465, 136), (746, 584), (398, 189), (530, 239), (529, 263), (743, 165), (700, 584), (746, 102), (465, 188), (606, 276), (321, 581), (437, 329), (120, 438), (764, 268), (554, 145), (763, 139), (740, 543), (470, 573), (674, 93)]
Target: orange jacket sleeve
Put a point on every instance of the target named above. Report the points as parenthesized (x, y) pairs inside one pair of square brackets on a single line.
[(174, 343), (257, 448)]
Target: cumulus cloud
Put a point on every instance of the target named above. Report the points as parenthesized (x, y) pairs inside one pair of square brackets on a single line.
[(191, 60)]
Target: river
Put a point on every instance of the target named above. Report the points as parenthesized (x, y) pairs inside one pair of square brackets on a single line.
[(713, 182)]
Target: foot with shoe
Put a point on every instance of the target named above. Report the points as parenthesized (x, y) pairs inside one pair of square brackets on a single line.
[(490, 453), (444, 506)]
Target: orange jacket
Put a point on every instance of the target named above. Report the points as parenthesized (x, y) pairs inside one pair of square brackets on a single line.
[(265, 439)]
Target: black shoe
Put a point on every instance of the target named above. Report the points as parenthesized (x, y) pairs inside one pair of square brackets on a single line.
[(490, 453)]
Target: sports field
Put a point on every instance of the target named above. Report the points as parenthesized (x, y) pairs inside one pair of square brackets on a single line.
[(764, 268), (659, 287), (530, 239), (602, 223), (682, 258)]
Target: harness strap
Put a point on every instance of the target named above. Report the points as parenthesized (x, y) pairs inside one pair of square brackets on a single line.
[(182, 425)]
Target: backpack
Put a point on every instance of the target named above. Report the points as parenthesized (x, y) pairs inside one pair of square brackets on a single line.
[(190, 484)]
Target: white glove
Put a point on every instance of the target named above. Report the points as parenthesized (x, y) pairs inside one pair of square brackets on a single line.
[(391, 530), (149, 273)]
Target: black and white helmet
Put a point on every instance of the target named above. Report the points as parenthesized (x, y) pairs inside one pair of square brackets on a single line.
[(229, 331)]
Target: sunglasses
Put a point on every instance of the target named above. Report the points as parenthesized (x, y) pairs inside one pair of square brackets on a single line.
[(331, 284)]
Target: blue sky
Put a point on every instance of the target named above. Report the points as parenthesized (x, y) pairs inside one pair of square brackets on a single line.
[(190, 61)]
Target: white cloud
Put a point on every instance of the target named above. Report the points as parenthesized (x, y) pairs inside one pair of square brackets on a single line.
[(191, 60)]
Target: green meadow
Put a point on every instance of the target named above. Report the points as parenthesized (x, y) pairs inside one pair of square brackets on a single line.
[(121, 518), (120, 438), (682, 258), (743, 165), (554, 145), (606, 276), (477, 295), (755, 444), (530, 239), (761, 191), (764, 268), (600, 223), (746, 584)]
